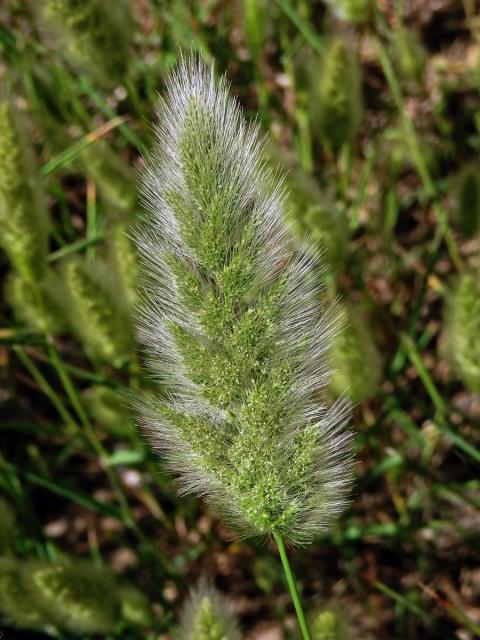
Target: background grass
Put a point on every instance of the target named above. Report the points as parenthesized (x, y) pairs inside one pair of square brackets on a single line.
[(376, 176)]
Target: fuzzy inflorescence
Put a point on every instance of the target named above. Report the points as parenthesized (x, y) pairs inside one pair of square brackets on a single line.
[(233, 325), (206, 615)]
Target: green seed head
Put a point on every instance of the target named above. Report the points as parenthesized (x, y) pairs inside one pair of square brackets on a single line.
[(329, 624), (16, 604), (109, 409), (42, 305), (408, 53), (74, 596), (463, 329), (355, 358), (124, 257), (206, 616), (336, 100), (23, 215), (96, 312), (110, 174), (92, 34), (233, 325), (135, 607)]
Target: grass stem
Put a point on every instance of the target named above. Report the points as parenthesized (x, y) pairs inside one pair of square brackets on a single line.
[(292, 587)]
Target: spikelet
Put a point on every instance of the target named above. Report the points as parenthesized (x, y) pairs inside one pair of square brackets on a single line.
[(233, 324), (111, 175), (463, 329), (109, 409), (467, 197), (23, 215), (336, 101), (15, 604), (329, 624), (124, 257), (73, 595), (92, 34), (41, 305), (354, 11), (135, 607), (8, 528), (96, 312), (355, 358), (206, 616)]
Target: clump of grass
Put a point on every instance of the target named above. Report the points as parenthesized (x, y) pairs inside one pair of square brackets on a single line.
[(206, 616), (463, 329), (96, 311), (336, 97), (467, 200), (233, 326), (355, 358), (92, 34), (40, 306), (23, 214)]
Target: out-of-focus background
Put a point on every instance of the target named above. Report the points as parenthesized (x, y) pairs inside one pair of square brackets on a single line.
[(373, 109)]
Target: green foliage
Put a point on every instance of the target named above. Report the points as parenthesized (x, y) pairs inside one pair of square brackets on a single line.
[(110, 174), (206, 616), (97, 313), (463, 329), (93, 34), (15, 600), (23, 216), (467, 200), (40, 305), (336, 97), (8, 528), (408, 53), (355, 358)]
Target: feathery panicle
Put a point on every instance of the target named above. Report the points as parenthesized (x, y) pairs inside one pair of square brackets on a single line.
[(206, 616), (233, 324), (336, 100), (467, 196), (96, 313), (40, 305), (110, 174), (23, 215), (355, 358), (93, 34), (463, 329)]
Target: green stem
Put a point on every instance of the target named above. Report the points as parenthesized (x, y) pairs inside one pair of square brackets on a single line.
[(293, 587)]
